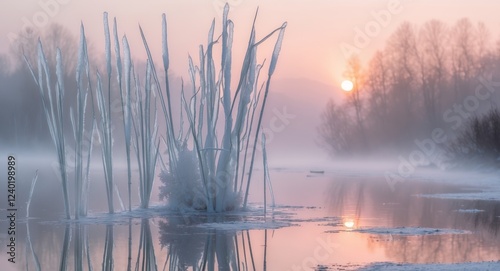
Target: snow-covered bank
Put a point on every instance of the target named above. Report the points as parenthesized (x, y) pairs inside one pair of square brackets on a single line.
[(482, 195), (486, 185)]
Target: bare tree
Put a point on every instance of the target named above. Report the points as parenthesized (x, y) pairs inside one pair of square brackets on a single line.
[(354, 98), (484, 50), (463, 56), (23, 96), (431, 57), (400, 51), (379, 86), (55, 36), (336, 130), (407, 86)]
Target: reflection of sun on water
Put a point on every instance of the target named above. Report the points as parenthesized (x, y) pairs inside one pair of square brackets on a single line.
[(347, 85), (349, 224)]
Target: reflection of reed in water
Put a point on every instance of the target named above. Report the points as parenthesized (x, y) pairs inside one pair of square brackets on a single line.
[(107, 258), (32, 251), (80, 246), (28, 236), (195, 248), (75, 250), (81, 249), (146, 259), (65, 248), (189, 247)]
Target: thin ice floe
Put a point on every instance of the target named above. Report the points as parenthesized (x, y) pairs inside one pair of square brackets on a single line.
[(408, 231), (481, 266)]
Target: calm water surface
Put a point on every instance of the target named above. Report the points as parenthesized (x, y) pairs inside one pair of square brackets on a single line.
[(312, 227)]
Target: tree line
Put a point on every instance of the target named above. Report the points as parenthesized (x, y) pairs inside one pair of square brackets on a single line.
[(21, 113), (425, 77)]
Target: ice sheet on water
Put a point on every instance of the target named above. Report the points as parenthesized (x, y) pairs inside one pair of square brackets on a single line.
[(245, 225), (251, 219), (481, 266), (277, 219), (483, 195), (469, 211), (408, 231)]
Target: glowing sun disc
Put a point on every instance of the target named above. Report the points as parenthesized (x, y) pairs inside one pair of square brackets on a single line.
[(347, 85), (349, 224)]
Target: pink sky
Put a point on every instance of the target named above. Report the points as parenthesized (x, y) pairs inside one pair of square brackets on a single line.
[(311, 63), (316, 29)]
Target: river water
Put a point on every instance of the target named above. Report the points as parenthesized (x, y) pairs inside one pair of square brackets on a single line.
[(320, 221)]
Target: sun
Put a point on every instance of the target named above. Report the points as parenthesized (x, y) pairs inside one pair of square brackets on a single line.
[(349, 224), (347, 85)]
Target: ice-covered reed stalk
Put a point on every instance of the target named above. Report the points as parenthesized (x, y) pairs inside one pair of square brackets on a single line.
[(218, 160), (272, 68), (146, 138), (53, 109), (248, 131), (54, 112), (171, 143), (266, 171), (105, 128), (213, 164), (78, 124), (86, 178), (32, 189), (267, 178), (125, 100), (106, 140), (123, 78)]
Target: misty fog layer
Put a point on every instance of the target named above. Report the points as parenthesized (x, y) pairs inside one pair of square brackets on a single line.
[(420, 92)]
